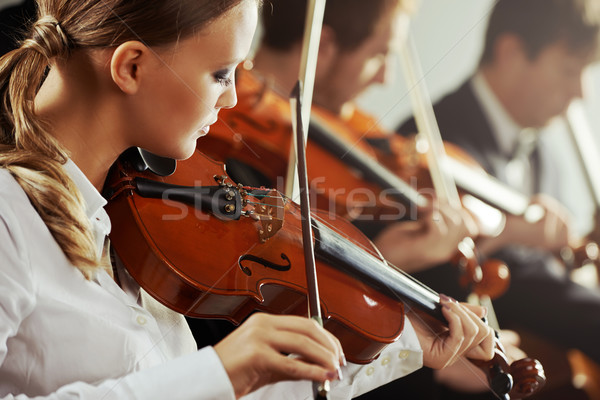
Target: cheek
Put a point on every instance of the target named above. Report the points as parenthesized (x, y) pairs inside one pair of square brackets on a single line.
[(188, 107), (172, 121), (206, 98)]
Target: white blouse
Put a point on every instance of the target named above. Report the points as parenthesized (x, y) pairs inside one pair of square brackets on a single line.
[(64, 337)]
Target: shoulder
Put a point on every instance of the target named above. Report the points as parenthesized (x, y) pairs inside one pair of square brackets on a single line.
[(13, 199), (11, 194), (18, 217)]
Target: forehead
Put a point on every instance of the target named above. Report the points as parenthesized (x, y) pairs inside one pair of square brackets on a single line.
[(227, 39)]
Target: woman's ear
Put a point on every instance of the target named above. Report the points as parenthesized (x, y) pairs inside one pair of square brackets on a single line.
[(126, 65)]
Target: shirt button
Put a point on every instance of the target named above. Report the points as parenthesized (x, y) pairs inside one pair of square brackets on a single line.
[(141, 320), (403, 354), (385, 360), (370, 371)]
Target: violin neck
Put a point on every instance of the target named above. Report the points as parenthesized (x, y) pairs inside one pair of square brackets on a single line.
[(336, 250), (370, 168)]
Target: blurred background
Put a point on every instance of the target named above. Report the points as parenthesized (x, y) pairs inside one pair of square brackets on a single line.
[(449, 37)]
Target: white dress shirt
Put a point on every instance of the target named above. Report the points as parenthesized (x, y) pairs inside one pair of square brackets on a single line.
[(65, 337)]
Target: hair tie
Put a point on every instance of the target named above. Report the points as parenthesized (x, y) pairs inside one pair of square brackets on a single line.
[(61, 33), (48, 37)]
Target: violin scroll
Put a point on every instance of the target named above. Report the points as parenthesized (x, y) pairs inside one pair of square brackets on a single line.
[(529, 377), (518, 380)]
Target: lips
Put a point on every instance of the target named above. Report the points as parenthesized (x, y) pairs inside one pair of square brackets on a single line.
[(206, 128)]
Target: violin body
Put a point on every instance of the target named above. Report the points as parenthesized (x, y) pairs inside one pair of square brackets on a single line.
[(204, 266)]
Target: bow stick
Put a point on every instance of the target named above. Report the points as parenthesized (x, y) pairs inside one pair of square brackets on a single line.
[(308, 65), (298, 182)]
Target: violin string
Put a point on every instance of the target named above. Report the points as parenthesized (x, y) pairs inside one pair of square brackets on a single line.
[(329, 225), (321, 220), (270, 205), (316, 217)]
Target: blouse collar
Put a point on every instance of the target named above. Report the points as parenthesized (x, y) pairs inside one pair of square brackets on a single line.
[(94, 202)]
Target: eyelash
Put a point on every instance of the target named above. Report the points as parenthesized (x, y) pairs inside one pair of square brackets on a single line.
[(223, 78)]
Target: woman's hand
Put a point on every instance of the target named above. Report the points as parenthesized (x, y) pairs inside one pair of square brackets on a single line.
[(256, 353), (463, 376), (467, 335)]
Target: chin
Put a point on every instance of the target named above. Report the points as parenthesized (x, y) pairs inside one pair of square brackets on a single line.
[(176, 154), (187, 152)]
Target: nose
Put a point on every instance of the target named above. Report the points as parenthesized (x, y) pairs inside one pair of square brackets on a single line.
[(228, 98)]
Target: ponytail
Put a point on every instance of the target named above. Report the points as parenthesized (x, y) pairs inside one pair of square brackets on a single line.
[(32, 155)]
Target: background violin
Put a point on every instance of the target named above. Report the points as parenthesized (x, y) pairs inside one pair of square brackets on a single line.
[(253, 139)]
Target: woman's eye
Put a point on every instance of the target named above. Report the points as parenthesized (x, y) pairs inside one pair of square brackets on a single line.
[(223, 77)]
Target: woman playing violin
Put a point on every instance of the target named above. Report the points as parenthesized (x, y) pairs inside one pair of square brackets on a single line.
[(93, 78)]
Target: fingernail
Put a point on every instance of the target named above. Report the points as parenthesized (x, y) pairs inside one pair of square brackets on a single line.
[(339, 372), (344, 362), (443, 297)]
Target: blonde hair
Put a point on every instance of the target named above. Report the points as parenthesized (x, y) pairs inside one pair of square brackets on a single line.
[(27, 148)]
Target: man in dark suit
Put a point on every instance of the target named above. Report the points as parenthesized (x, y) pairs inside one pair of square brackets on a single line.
[(530, 71)]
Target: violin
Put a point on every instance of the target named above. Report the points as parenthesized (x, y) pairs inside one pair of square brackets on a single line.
[(207, 247), (247, 253)]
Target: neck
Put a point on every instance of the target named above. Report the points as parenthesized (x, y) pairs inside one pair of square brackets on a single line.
[(79, 114)]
